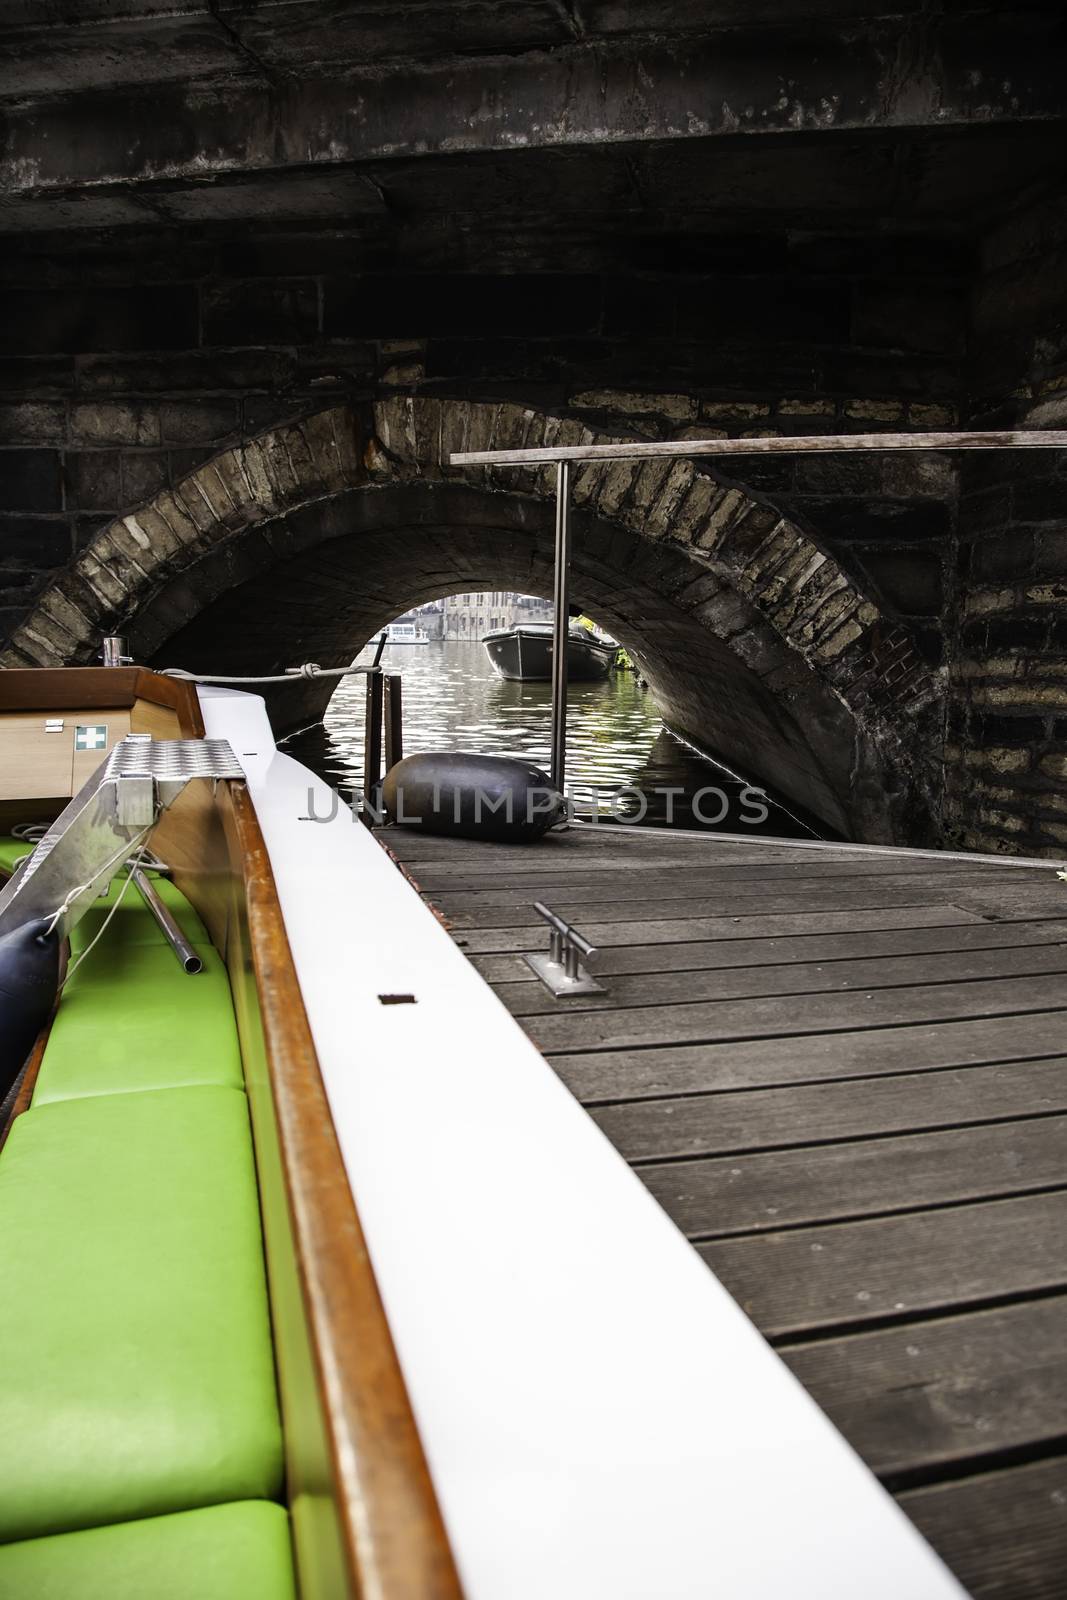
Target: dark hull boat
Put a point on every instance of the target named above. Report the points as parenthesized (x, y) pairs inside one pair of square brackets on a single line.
[(524, 653)]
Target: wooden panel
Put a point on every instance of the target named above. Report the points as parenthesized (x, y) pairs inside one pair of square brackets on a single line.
[(180, 696), (35, 764), (162, 722), (51, 688), (694, 1069), (804, 1279), (1003, 1533), (799, 978), (740, 1194), (698, 1125), (38, 766), (942, 1393), (507, 972)]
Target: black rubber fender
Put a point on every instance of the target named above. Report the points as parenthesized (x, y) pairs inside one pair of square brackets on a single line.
[(29, 978), (473, 797)]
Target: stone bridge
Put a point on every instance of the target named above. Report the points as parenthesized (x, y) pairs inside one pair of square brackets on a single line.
[(264, 265), (305, 540)]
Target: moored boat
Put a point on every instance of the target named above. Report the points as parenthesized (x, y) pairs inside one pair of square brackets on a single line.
[(195, 1412), (317, 1280), (524, 653), (401, 633)]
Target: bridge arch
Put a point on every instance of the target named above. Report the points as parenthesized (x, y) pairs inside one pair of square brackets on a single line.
[(302, 541)]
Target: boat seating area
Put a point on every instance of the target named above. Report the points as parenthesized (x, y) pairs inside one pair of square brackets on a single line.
[(842, 1073), (140, 1443)]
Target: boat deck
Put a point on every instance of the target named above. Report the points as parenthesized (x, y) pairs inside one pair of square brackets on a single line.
[(843, 1073)]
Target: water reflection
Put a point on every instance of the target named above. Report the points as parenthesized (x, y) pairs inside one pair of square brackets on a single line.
[(453, 700)]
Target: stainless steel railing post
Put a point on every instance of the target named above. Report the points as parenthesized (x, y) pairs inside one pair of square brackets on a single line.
[(561, 624)]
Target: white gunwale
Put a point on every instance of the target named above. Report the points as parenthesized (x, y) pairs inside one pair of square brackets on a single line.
[(598, 1414)]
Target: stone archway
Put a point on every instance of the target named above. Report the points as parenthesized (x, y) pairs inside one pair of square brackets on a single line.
[(796, 633)]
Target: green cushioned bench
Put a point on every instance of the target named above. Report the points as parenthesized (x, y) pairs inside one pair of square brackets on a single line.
[(134, 1313), (133, 923), (12, 851), (232, 1552), (132, 1018), (140, 1444)]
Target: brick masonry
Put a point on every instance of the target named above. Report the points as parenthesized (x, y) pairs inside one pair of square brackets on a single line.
[(1006, 752), (125, 371), (123, 367), (794, 622)]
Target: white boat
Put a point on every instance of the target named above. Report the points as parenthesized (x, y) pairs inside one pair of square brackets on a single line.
[(402, 633), (335, 1159)]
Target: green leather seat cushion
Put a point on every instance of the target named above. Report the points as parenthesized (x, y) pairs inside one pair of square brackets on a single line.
[(133, 923), (132, 1018), (11, 851), (133, 1319), (230, 1552)]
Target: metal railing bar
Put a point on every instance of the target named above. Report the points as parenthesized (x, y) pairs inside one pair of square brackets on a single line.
[(682, 449)]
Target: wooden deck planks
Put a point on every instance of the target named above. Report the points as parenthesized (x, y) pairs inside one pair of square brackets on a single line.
[(844, 1074), (863, 894), (711, 1020), (918, 1399), (1003, 1533), (689, 882), (878, 1176), (766, 1119), (805, 1280), (804, 977), (614, 1076), (702, 955), (688, 929)]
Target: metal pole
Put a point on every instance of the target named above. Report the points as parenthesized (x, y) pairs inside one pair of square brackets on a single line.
[(561, 624), (114, 652), (167, 923)]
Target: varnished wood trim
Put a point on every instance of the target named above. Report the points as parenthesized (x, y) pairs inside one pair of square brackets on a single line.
[(59, 688), (395, 1539), (175, 693)]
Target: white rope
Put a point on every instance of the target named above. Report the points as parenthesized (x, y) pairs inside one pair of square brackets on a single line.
[(80, 888), (32, 832), (95, 940), (310, 669)]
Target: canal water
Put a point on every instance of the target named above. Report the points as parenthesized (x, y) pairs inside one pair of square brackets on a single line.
[(623, 765)]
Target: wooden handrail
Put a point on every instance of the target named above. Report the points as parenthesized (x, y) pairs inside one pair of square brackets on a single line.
[(394, 1536)]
